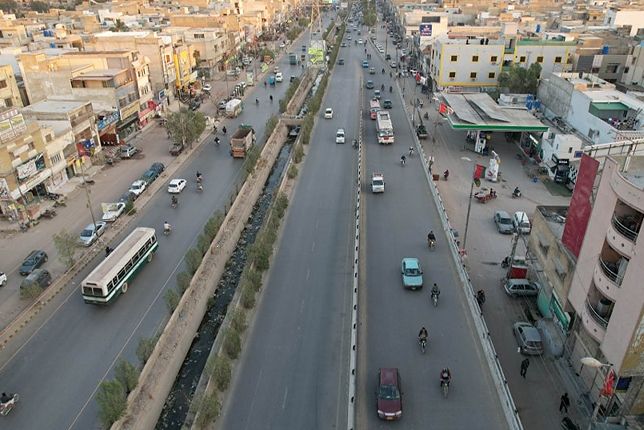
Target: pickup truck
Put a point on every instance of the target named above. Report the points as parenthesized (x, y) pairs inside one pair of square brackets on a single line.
[(241, 141), (421, 131), (377, 183)]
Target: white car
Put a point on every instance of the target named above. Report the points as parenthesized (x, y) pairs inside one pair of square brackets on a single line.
[(206, 87), (3, 278), (113, 211), (340, 136), (328, 113), (176, 186), (279, 77), (276, 69), (380, 49), (359, 41), (91, 233), (138, 187), (282, 46)]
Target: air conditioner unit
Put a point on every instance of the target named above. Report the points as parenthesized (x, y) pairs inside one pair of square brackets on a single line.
[(451, 78), (473, 79)]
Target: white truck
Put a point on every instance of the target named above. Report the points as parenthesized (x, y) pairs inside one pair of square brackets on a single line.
[(377, 183), (234, 108)]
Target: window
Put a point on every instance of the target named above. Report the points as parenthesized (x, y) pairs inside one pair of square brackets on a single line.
[(544, 246), (522, 59), (491, 75), (494, 59), (475, 58), (558, 59), (8, 102), (560, 268), (472, 75), (3, 83), (452, 75), (540, 59), (199, 36), (453, 58)]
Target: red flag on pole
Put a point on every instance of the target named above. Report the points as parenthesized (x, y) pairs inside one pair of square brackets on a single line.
[(608, 384), (479, 172)]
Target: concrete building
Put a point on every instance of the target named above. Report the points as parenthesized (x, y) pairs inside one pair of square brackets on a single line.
[(606, 288), (9, 92), (629, 19)]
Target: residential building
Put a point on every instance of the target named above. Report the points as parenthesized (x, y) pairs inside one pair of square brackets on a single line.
[(629, 18), (9, 92)]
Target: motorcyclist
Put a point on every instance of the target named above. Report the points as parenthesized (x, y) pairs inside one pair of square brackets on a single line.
[(391, 89), (217, 141), (175, 200), (431, 237), (271, 98), (198, 176), (403, 159), (264, 83), (256, 101), (426, 116), (4, 399), (411, 150), (108, 250), (223, 129), (435, 290), (423, 335), (383, 71), (390, 75), (446, 174), (167, 226), (480, 297), (445, 376), (517, 192)]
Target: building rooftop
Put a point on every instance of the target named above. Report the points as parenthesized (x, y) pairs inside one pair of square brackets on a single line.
[(555, 217), (47, 106), (59, 127)]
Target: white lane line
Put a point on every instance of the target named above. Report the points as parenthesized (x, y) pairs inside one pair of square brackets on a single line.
[(284, 401)]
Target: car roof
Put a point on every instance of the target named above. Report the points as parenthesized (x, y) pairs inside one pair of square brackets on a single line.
[(138, 182), (411, 262), (389, 375), (530, 331), (176, 181), (502, 214)]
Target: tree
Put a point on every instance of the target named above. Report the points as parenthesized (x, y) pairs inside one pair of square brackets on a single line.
[(145, 348), (8, 6), (65, 244), (369, 19), (303, 22), (292, 33), (521, 80), (127, 375), (119, 26), (39, 6), (30, 290), (185, 126), (112, 402)]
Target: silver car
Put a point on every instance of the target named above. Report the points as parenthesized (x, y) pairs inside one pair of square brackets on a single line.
[(91, 233), (528, 338), (521, 287), (503, 222)]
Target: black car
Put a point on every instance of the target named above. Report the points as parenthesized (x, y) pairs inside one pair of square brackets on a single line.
[(127, 196), (157, 167), (195, 105), (387, 104), (34, 260), (388, 57), (39, 277)]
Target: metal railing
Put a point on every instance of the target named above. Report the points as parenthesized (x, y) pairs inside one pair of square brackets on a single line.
[(617, 279), (623, 230), (593, 313)]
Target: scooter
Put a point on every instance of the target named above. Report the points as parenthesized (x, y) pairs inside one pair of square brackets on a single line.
[(167, 228), (516, 193), (5, 408)]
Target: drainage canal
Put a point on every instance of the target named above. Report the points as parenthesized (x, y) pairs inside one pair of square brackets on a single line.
[(177, 404)]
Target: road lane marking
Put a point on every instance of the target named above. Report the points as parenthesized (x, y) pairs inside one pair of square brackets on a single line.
[(284, 401)]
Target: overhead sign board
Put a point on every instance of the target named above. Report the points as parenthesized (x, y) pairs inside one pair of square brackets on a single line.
[(425, 30)]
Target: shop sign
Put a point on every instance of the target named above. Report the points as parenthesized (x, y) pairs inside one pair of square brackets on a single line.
[(107, 121)]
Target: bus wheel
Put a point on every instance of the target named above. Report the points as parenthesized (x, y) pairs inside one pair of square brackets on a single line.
[(124, 288), (150, 255)]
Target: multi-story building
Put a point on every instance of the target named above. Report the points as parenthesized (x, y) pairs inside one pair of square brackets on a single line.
[(9, 93), (107, 79), (606, 287)]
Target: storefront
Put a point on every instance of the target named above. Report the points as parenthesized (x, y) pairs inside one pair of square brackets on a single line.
[(129, 121), (146, 115)]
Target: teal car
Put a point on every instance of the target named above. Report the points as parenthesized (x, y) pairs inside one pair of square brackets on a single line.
[(412, 274), (365, 64)]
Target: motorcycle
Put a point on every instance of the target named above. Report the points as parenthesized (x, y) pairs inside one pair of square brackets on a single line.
[(423, 344), (426, 116), (354, 143), (402, 161), (48, 214), (446, 174), (167, 228), (435, 299), (199, 188), (516, 193), (506, 262), (5, 408), (445, 385), (60, 202), (431, 243), (480, 297), (175, 203), (411, 151)]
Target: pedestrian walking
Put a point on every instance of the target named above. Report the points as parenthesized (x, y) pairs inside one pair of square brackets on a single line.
[(565, 402), (524, 366)]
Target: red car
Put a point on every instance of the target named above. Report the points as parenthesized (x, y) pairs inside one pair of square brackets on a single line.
[(389, 394)]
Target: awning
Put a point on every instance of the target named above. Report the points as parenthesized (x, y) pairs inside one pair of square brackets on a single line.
[(146, 114), (550, 164)]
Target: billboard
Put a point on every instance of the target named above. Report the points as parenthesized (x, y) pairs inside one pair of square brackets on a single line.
[(425, 30)]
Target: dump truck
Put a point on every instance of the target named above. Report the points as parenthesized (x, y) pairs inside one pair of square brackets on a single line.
[(292, 58), (241, 141), (234, 108), (377, 183)]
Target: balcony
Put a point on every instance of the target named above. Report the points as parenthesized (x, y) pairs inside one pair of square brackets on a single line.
[(623, 244), (594, 323), (606, 279), (621, 222)]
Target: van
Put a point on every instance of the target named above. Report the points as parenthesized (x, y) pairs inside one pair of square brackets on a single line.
[(339, 136), (128, 151), (521, 223), (40, 277)]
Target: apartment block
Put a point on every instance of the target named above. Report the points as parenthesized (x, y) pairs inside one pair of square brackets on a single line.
[(9, 92)]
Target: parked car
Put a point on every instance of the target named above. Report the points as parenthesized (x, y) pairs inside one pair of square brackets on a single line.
[(521, 287), (176, 186), (3, 279), (34, 260), (388, 57), (528, 339), (39, 277), (138, 187), (206, 87), (503, 222), (221, 106), (412, 274), (149, 176), (328, 113), (393, 64), (128, 151), (127, 196), (176, 149), (158, 167), (521, 222), (195, 104), (91, 233), (389, 394), (114, 210)]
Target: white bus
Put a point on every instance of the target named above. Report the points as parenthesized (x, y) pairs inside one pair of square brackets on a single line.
[(385, 128), (111, 277)]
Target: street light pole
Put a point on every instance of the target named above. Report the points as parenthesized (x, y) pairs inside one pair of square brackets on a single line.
[(469, 204), (593, 362)]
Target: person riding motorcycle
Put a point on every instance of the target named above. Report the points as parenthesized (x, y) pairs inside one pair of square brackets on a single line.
[(423, 335), (516, 192), (108, 250), (403, 159), (167, 226), (445, 376), (391, 89), (198, 176), (435, 290), (446, 174), (383, 71), (217, 141), (175, 200), (271, 98), (480, 297), (4, 399), (411, 150), (223, 129), (256, 101), (431, 237)]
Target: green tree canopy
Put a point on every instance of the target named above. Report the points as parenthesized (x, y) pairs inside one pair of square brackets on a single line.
[(293, 32), (521, 80), (39, 6), (185, 126), (8, 6)]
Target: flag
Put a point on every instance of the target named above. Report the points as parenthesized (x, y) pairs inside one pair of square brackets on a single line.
[(479, 172), (608, 384)]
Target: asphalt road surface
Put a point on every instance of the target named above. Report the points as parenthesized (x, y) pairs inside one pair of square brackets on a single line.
[(61, 365)]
